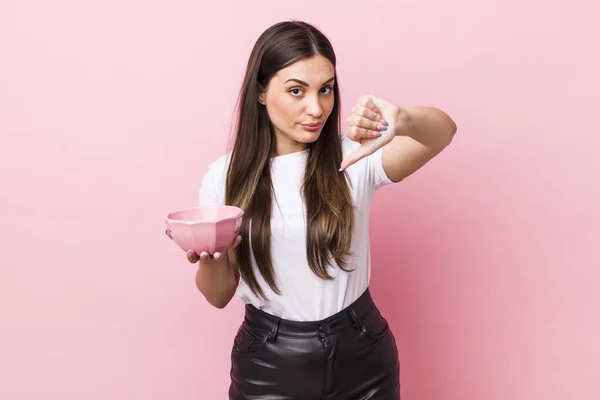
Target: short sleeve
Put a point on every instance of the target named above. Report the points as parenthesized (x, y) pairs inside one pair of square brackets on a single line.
[(377, 175), (369, 168), (212, 188)]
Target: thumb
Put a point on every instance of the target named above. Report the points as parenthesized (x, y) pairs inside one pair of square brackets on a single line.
[(354, 157), (238, 240), (231, 254)]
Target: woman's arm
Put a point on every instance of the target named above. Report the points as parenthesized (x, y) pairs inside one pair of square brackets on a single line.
[(421, 133), (217, 276), (411, 137), (217, 280)]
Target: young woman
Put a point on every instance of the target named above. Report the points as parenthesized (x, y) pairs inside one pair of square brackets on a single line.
[(302, 261)]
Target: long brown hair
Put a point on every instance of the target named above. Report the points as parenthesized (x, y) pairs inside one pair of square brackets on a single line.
[(326, 192)]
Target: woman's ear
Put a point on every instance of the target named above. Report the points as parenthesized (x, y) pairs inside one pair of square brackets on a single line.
[(261, 95)]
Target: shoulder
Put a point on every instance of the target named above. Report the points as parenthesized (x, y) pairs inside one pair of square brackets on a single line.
[(217, 170), (368, 170), (212, 188), (348, 146)]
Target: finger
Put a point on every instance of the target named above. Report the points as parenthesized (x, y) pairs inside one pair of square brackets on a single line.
[(355, 133), (369, 102), (363, 122), (204, 256), (355, 156), (368, 113), (192, 257), (168, 233)]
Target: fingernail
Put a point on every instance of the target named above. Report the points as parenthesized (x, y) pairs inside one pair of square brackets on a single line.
[(190, 252), (385, 128), (378, 134), (340, 170), (383, 122), (217, 256)]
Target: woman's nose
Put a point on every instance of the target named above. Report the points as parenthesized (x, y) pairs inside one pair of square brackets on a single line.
[(314, 107)]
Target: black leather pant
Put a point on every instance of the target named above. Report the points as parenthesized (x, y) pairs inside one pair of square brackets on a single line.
[(351, 355)]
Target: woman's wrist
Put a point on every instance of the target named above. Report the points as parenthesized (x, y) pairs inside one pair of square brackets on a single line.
[(404, 122)]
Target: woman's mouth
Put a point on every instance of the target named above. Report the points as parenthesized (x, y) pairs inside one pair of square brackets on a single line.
[(312, 126)]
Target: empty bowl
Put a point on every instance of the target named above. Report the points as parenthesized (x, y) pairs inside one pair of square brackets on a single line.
[(209, 228)]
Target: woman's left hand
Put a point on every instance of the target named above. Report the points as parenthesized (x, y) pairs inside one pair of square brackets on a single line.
[(367, 125)]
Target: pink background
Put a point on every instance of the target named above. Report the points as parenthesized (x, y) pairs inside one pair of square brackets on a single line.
[(110, 112)]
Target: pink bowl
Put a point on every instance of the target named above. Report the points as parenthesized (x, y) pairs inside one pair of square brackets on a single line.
[(211, 228)]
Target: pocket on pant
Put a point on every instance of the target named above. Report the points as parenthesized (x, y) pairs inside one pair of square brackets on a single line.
[(375, 325), (249, 341)]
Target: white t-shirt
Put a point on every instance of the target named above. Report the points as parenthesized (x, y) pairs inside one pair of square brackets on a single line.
[(304, 296)]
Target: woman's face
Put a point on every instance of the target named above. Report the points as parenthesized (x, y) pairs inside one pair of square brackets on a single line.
[(299, 99)]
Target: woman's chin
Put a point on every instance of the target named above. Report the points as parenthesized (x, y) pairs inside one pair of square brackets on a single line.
[(308, 137)]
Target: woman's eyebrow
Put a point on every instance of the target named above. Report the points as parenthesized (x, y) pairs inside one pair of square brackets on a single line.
[(306, 84)]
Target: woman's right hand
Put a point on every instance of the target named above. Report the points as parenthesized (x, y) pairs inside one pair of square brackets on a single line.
[(204, 257)]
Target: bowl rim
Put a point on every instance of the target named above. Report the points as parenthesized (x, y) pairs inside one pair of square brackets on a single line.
[(169, 218)]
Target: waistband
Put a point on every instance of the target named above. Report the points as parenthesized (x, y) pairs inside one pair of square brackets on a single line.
[(350, 316)]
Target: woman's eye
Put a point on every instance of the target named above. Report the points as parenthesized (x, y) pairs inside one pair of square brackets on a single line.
[(296, 92), (326, 89)]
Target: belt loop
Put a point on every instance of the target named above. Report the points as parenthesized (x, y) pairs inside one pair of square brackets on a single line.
[(355, 320), (273, 334)]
